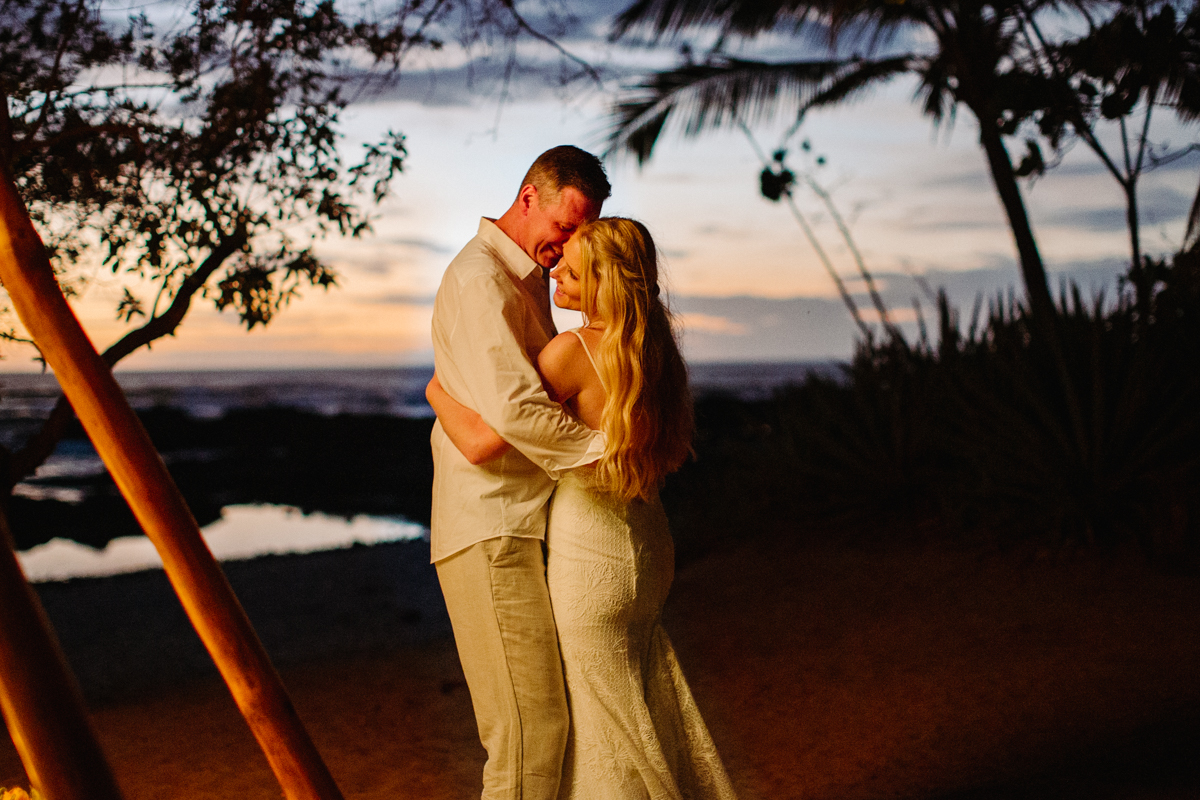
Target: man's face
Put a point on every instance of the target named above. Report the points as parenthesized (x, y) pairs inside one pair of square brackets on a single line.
[(547, 228)]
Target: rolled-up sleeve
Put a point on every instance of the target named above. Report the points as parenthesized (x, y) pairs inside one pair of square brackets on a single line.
[(487, 368)]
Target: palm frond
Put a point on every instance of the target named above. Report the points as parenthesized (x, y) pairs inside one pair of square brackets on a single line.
[(1191, 238), (663, 18), (1181, 87), (714, 95), (934, 90), (860, 76)]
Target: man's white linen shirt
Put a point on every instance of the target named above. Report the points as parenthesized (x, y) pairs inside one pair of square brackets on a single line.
[(491, 319)]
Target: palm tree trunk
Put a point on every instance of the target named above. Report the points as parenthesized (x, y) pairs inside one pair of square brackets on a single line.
[(1041, 304), (1037, 289)]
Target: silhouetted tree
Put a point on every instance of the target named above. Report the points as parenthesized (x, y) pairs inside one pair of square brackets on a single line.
[(198, 155), (202, 160), (976, 58), (1090, 439), (1142, 58)]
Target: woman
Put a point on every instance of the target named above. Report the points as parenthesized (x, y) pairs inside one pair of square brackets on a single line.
[(635, 730)]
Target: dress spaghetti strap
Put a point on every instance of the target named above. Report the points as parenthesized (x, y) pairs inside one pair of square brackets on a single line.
[(589, 355)]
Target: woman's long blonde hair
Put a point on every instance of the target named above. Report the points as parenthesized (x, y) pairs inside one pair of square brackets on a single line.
[(647, 417)]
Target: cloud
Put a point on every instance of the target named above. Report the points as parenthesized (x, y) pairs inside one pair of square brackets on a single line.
[(999, 284), (425, 245), (1080, 164), (400, 299), (1161, 204), (461, 86), (897, 316), (1156, 205), (479, 60), (372, 267), (746, 328), (934, 224), (1081, 168), (1091, 219), (732, 232), (710, 324), (1090, 165), (530, 69), (763, 329)]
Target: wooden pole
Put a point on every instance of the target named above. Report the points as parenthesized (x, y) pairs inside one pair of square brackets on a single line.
[(140, 474), (40, 697)]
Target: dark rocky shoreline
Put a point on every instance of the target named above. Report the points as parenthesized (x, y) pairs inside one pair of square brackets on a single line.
[(347, 465), (340, 465)]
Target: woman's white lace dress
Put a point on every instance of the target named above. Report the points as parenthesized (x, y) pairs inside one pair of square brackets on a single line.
[(635, 730)]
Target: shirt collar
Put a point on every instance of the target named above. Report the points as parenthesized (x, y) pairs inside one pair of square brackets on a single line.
[(515, 258)]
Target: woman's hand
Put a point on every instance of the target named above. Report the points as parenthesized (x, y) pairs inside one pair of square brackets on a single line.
[(477, 442), (433, 387)]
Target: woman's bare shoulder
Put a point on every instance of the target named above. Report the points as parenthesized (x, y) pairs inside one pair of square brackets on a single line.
[(559, 364), (564, 347)]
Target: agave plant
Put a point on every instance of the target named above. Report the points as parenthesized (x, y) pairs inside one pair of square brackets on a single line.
[(978, 429)]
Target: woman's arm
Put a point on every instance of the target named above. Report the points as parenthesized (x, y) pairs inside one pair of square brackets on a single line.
[(477, 442)]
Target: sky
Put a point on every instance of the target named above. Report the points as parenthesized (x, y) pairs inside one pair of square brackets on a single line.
[(743, 281)]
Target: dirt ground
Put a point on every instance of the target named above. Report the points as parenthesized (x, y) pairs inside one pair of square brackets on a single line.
[(823, 672)]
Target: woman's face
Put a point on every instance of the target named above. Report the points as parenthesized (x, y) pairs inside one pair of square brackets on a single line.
[(566, 276)]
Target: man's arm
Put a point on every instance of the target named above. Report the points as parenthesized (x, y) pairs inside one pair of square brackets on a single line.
[(484, 366)]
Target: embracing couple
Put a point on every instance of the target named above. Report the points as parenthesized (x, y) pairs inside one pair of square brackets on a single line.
[(549, 539)]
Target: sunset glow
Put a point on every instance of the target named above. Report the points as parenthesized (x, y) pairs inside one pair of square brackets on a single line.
[(917, 200)]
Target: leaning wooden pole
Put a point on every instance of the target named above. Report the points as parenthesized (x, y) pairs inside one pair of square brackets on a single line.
[(40, 697), (140, 474)]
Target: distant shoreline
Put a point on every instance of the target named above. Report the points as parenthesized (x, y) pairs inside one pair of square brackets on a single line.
[(398, 391), (122, 371)]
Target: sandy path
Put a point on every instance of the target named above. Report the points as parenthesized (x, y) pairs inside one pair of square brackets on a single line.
[(916, 674), (823, 673)]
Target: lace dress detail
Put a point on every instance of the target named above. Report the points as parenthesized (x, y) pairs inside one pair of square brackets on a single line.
[(636, 733)]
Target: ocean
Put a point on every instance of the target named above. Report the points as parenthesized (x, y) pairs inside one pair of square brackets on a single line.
[(398, 391), (248, 530)]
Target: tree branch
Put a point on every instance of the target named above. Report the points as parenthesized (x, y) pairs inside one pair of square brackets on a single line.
[(166, 323), (64, 41), (825, 262), (1144, 144), (1086, 133), (591, 71), (6, 137), (41, 445), (28, 144)]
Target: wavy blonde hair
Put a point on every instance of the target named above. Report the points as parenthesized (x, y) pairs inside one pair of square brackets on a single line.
[(647, 417)]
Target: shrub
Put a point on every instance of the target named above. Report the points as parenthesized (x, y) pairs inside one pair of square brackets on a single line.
[(990, 429)]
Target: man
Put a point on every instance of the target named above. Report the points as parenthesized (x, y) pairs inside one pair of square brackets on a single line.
[(491, 318)]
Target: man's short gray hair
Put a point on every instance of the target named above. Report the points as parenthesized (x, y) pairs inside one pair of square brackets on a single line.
[(567, 166)]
